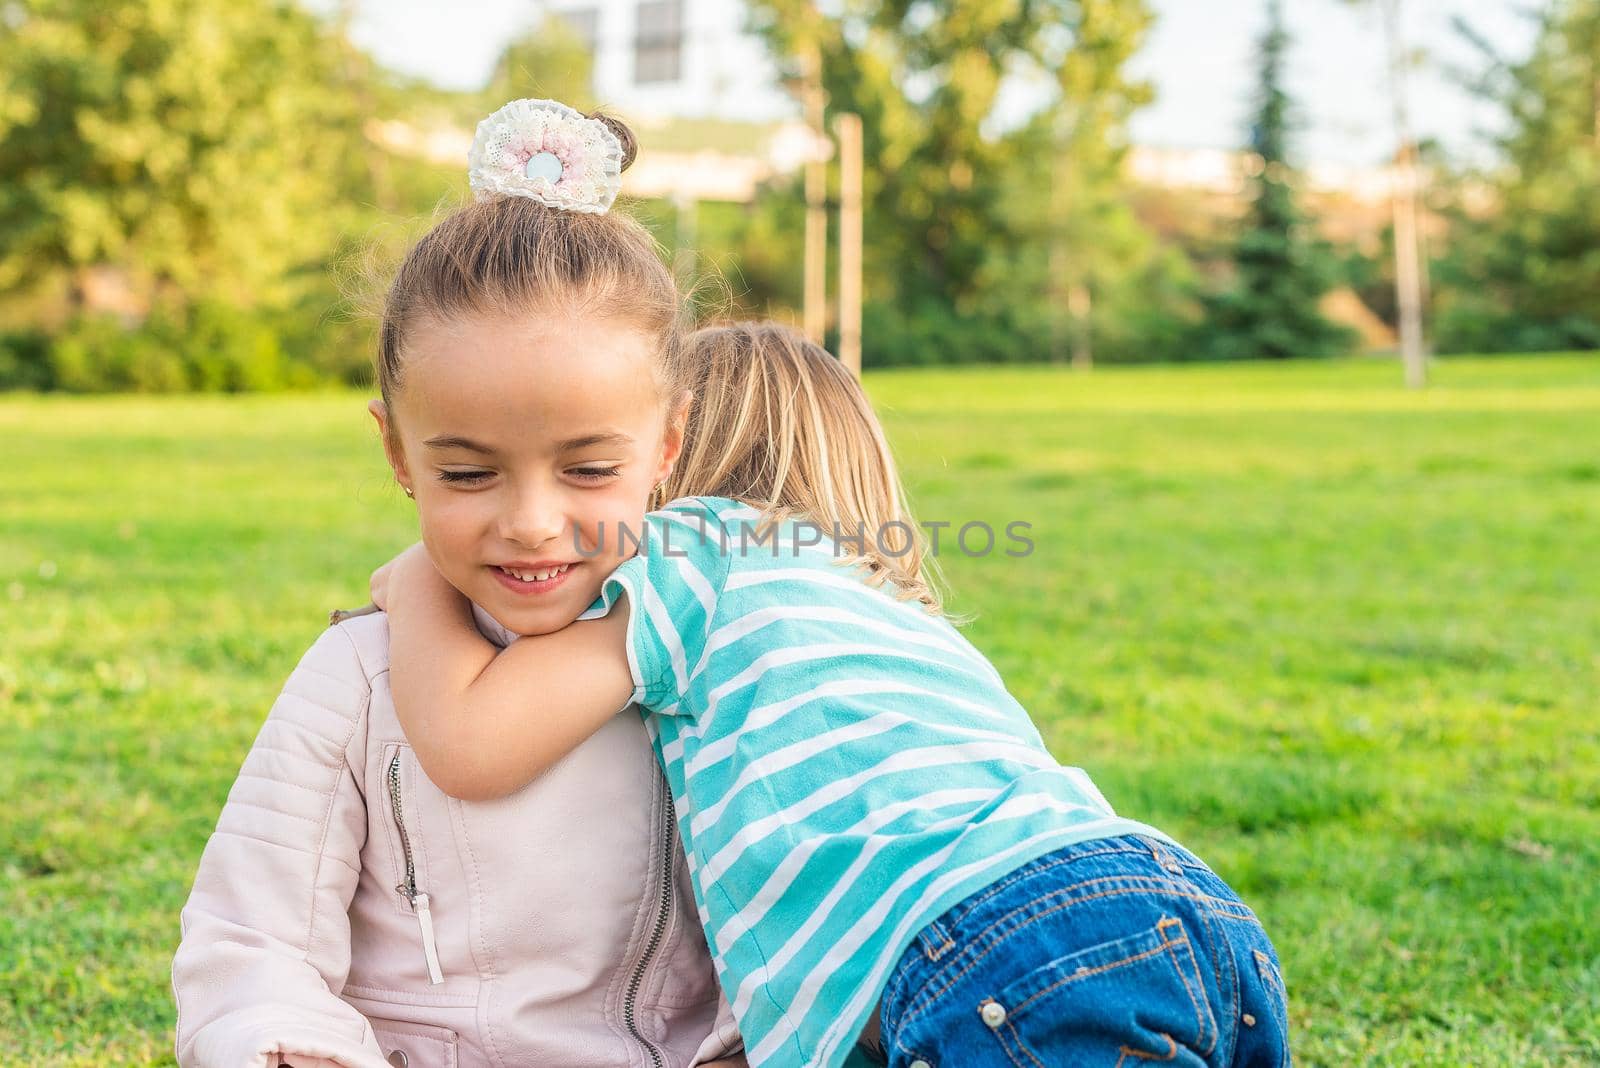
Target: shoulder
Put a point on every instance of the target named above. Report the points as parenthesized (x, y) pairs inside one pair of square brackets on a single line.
[(338, 670), (712, 511), (324, 704), (368, 638)]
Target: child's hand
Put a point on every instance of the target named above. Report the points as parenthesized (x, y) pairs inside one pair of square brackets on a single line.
[(379, 583)]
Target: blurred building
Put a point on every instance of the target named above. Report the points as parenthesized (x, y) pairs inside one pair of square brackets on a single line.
[(701, 90), (677, 59)]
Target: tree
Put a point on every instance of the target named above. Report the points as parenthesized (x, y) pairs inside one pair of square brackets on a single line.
[(958, 209), (1094, 237), (1525, 275), (1280, 268), (1410, 287), (190, 148), (550, 62)]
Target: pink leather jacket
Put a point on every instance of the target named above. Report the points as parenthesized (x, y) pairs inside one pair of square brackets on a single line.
[(346, 913)]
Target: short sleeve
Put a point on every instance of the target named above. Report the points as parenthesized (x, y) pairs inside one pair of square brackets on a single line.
[(673, 583)]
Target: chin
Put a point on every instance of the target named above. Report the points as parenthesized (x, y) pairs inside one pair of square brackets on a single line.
[(546, 619)]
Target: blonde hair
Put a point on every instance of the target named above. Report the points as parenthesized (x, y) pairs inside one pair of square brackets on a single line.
[(782, 426), (511, 255)]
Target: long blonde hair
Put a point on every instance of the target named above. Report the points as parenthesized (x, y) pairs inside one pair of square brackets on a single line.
[(782, 426)]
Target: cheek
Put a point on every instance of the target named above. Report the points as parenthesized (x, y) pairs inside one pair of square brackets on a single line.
[(453, 523), (618, 506)]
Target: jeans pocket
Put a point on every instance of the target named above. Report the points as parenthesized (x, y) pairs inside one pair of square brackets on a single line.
[(1135, 999)]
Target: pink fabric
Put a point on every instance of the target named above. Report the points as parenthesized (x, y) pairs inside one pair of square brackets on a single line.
[(298, 946)]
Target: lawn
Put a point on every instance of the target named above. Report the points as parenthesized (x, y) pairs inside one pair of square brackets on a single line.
[(1342, 639)]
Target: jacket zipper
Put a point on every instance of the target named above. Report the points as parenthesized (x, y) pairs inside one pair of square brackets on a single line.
[(669, 839), (408, 889)]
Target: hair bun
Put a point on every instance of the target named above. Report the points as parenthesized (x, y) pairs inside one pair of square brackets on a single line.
[(630, 144)]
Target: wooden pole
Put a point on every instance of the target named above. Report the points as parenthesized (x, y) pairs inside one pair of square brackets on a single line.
[(816, 293), (848, 128), (1407, 262)]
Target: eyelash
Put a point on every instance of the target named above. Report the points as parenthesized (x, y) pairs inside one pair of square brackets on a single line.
[(588, 474)]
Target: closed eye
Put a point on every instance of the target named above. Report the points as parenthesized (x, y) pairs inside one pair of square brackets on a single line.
[(594, 474), (463, 476)]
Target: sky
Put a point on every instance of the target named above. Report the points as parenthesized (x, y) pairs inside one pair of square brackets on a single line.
[(1199, 56)]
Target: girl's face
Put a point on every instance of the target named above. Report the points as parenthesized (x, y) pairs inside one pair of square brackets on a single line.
[(528, 443)]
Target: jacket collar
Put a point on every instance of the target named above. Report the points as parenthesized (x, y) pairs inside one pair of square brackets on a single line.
[(490, 628)]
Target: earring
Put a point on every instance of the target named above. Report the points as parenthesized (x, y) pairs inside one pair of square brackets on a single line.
[(409, 492)]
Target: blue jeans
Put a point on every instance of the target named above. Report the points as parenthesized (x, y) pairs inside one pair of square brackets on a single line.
[(1115, 952)]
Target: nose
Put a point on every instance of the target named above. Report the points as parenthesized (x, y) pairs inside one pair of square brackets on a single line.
[(533, 517)]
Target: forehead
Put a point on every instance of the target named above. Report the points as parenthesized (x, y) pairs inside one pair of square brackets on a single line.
[(526, 378)]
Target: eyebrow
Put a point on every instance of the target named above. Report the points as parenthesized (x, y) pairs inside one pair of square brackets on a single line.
[(571, 444), (449, 442), (590, 440)]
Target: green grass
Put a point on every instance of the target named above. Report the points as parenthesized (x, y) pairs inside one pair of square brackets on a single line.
[(1342, 639)]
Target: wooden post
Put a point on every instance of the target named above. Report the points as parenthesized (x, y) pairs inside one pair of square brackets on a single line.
[(816, 293), (1407, 263), (848, 128)]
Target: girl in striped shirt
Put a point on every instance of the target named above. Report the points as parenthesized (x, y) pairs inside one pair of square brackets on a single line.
[(883, 851)]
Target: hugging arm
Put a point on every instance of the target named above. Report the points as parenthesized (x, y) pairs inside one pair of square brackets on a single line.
[(484, 721)]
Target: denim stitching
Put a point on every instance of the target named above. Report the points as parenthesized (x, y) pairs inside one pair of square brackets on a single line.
[(1218, 949), (1084, 973), (1268, 972), (945, 943), (1246, 917), (1177, 965), (1163, 885), (971, 904), (1272, 978), (1017, 1038), (1129, 1051)]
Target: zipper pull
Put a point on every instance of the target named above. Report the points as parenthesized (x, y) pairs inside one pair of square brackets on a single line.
[(425, 919)]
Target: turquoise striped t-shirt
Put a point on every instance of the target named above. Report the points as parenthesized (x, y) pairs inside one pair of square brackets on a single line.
[(846, 766)]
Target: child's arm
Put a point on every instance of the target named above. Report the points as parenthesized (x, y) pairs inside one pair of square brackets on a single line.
[(485, 722)]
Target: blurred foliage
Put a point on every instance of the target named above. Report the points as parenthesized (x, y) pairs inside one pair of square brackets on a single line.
[(1524, 275), (202, 148), (1280, 268), (547, 62), (985, 242), (180, 181), (196, 195)]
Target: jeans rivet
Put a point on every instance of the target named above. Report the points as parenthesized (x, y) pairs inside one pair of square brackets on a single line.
[(398, 1058), (1249, 1021), (993, 1013)]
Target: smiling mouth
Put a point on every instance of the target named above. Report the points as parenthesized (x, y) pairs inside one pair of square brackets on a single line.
[(541, 575)]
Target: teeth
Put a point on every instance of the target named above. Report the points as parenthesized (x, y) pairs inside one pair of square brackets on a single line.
[(536, 576)]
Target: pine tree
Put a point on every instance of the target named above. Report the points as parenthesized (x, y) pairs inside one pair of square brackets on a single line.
[(1527, 275), (1280, 268)]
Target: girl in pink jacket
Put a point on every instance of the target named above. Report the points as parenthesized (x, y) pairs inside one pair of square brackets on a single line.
[(346, 913)]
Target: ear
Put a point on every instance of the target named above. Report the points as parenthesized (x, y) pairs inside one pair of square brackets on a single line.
[(391, 442), (672, 436)]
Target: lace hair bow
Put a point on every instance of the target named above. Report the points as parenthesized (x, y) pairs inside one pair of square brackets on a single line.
[(547, 151)]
